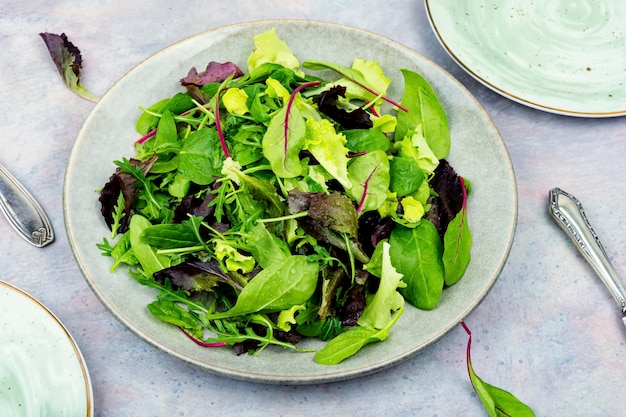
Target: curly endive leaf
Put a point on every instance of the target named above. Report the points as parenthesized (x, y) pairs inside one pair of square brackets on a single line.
[(68, 61)]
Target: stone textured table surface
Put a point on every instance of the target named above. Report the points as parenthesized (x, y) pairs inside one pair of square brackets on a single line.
[(548, 331)]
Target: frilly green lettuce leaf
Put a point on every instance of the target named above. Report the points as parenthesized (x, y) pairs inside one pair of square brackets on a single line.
[(270, 48)]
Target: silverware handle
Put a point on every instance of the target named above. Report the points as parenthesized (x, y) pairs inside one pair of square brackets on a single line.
[(24, 213), (569, 214)]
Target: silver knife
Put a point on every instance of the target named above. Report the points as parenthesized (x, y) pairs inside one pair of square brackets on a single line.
[(23, 211), (569, 214)]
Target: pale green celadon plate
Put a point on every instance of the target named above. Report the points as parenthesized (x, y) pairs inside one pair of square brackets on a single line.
[(561, 56), (42, 371), (108, 134)]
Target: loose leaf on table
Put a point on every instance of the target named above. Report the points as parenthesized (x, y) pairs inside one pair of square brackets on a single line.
[(498, 402), (68, 61)]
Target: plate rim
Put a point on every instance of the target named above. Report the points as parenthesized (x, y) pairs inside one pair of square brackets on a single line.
[(326, 374)]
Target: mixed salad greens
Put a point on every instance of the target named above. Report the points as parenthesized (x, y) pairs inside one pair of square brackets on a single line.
[(290, 200)]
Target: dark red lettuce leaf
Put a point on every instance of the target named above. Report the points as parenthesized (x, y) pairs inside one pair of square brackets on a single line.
[(122, 182), (372, 229), (449, 200), (355, 119), (215, 72), (194, 276)]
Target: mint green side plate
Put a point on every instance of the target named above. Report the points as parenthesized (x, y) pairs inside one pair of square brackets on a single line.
[(564, 57)]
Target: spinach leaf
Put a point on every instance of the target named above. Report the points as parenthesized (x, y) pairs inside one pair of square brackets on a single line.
[(406, 176), (416, 253), (351, 341), (366, 140), (457, 242), (171, 312), (200, 158), (150, 261), (425, 114), (168, 236), (280, 286)]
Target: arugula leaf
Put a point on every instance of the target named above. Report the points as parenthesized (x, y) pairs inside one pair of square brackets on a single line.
[(68, 61), (498, 402)]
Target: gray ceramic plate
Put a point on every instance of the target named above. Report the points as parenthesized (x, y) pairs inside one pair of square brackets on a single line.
[(564, 57), (478, 153), (42, 371)]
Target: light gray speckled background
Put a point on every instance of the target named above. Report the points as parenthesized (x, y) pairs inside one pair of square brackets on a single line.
[(548, 331)]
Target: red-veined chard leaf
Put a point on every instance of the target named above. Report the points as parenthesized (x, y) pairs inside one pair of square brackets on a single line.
[(369, 174), (416, 254), (353, 75), (282, 147), (457, 242), (425, 113), (68, 60), (497, 402)]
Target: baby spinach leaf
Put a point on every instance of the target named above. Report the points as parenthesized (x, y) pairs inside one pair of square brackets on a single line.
[(416, 253), (200, 158), (406, 176), (171, 312), (351, 341), (366, 140), (264, 246), (280, 286), (168, 236), (457, 243), (497, 402), (425, 114), (150, 261)]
